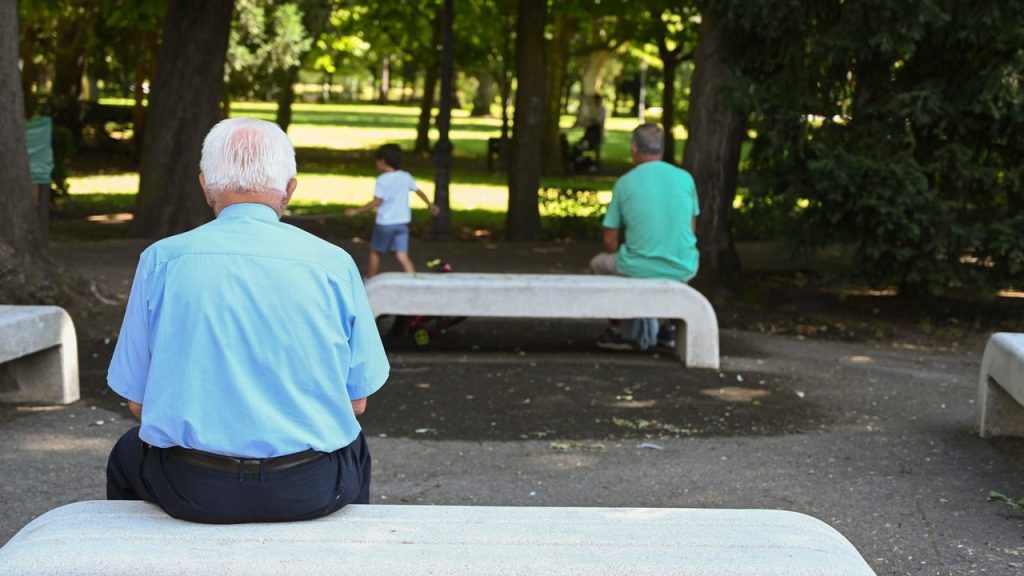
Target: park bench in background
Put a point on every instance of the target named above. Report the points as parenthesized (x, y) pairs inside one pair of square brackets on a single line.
[(1001, 386), (554, 296), (104, 537), (38, 355)]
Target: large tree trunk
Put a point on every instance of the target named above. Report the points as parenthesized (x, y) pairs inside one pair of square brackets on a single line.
[(27, 274), (712, 156), (429, 86), (557, 66), (184, 105), (19, 227), (528, 125)]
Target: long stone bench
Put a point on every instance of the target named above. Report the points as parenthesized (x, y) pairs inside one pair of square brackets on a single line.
[(102, 537), (554, 296), (1001, 386), (38, 355)]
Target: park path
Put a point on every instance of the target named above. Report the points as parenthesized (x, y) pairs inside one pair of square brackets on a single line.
[(879, 441)]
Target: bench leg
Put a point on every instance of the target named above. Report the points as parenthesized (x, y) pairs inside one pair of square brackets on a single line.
[(1001, 414), (45, 377), (696, 348)]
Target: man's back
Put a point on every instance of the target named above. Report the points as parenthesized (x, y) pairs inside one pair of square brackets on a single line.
[(655, 203), (255, 347)]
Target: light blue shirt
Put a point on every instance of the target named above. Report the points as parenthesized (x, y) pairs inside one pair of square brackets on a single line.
[(248, 337)]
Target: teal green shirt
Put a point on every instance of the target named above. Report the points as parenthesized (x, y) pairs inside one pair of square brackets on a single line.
[(655, 203)]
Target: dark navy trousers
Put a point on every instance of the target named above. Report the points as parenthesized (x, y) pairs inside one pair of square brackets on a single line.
[(138, 471)]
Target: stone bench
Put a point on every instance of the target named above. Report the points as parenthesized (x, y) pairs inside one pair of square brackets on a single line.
[(38, 355), (102, 537), (554, 296), (1001, 386)]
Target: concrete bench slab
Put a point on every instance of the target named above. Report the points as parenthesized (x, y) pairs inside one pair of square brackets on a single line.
[(554, 296), (38, 355), (134, 537), (1001, 386)]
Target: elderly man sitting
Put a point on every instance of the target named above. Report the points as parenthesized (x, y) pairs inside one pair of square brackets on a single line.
[(248, 349)]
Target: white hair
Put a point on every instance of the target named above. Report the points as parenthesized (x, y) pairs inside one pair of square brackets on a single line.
[(249, 156)]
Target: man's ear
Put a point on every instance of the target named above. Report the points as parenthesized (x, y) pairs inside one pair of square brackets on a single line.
[(206, 194), (290, 189)]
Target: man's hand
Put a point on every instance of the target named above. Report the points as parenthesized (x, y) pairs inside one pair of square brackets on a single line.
[(351, 212), (136, 409), (359, 406), (434, 209)]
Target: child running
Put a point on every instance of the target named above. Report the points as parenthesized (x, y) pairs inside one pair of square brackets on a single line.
[(391, 199)]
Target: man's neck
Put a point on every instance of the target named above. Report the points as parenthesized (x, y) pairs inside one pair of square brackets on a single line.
[(273, 200), (643, 159)]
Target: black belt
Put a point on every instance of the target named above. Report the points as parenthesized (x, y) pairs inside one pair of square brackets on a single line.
[(242, 465)]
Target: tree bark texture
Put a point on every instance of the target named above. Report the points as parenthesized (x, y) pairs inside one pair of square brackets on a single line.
[(19, 227), (184, 105), (557, 67), (712, 156), (524, 172), (429, 86)]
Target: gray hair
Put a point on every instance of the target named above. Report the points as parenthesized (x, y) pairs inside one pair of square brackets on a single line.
[(246, 155), (648, 139)]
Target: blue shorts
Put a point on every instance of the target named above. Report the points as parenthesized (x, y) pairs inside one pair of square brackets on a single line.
[(390, 238)]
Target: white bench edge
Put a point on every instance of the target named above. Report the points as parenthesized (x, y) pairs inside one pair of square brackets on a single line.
[(136, 537), (697, 344), (1001, 386), (56, 377)]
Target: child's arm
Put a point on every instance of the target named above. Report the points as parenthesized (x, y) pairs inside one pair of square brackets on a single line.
[(371, 205), (430, 205)]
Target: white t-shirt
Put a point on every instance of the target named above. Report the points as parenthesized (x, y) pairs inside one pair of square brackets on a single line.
[(393, 189)]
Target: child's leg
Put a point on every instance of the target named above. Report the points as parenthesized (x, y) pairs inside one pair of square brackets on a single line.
[(403, 259), (374, 264)]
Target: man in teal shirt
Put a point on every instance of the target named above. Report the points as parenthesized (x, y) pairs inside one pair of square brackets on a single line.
[(655, 204)]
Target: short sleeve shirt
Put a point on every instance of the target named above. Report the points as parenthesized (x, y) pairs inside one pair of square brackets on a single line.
[(393, 189), (655, 203), (247, 337)]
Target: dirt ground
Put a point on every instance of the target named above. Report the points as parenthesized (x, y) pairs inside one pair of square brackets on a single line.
[(855, 408)]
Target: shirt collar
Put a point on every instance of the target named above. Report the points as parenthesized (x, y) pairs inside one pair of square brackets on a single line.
[(248, 210)]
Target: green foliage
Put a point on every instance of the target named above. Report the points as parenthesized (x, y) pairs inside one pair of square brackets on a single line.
[(267, 38), (571, 213), (895, 128)]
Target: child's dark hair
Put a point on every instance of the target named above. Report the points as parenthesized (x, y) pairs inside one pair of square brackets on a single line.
[(391, 154)]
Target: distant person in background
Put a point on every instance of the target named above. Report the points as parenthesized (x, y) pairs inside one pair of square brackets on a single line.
[(391, 200), (248, 350), (655, 207)]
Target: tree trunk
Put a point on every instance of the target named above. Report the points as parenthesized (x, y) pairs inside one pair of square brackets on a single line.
[(383, 95), (28, 71), (669, 64), (429, 86), (192, 55), (19, 227), (524, 171), (69, 67), (590, 86), (557, 66), (712, 156), (286, 96), (145, 70), (485, 93)]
